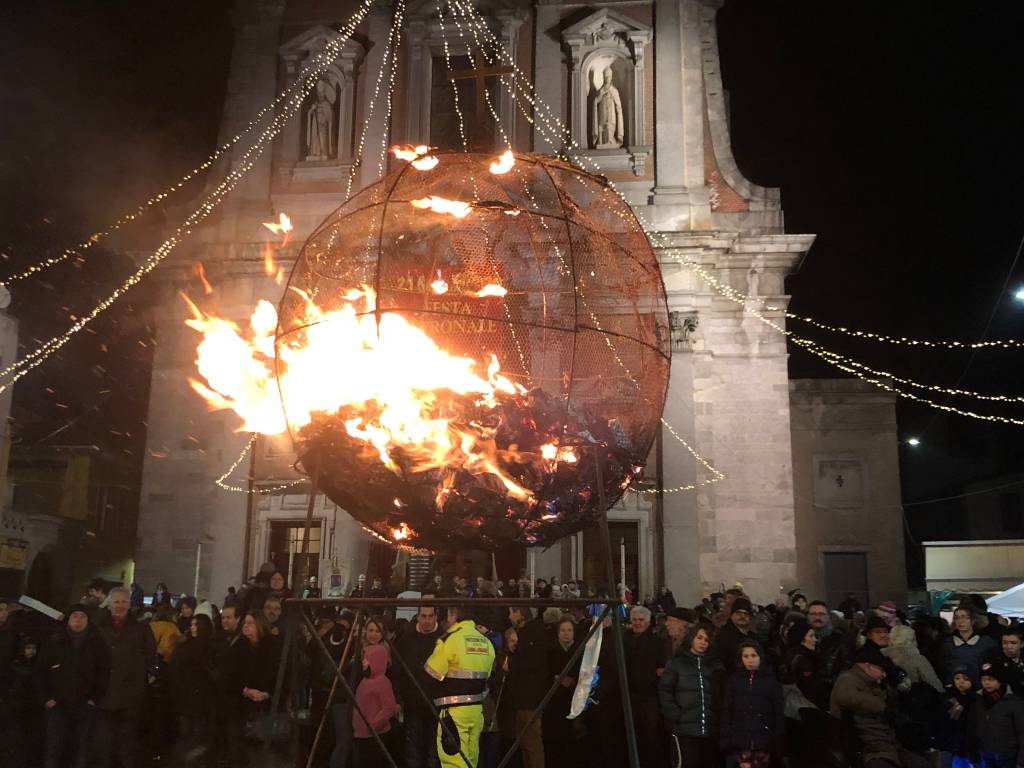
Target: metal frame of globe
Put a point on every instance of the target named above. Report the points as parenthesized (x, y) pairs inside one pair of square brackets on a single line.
[(611, 607), (585, 308)]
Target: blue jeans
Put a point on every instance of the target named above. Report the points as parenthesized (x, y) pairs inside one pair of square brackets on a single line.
[(68, 729), (420, 740)]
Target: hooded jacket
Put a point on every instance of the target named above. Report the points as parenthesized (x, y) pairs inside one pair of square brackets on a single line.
[(858, 698), (903, 652), (374, 696)]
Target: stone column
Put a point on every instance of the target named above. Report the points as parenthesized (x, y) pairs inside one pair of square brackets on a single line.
[(506, 106), (548, 75), (252, 85), (290, 149), (379, 23), (669, 161), (416, 64)]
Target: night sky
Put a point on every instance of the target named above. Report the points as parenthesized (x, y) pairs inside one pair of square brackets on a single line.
[(893, 129)]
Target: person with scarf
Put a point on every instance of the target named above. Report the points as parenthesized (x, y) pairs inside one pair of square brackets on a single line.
[(71, 677), (753, 714), (966, 647), (998, 721)]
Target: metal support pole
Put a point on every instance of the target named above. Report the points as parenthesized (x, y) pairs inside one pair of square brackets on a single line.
[(348, 689), (250, 496), (282, 664), (423, 694), (313, 479), (617, 639), (551, 691), (334, 686)]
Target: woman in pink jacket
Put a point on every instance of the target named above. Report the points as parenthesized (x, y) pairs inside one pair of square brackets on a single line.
[(376, 699)]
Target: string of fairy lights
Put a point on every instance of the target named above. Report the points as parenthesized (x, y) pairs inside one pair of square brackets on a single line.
[(15, 371), (324, 57), (551, 127), (580, 284)]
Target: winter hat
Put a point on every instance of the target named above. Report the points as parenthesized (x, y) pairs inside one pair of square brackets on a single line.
[(797, 632), (994, 670), (76, 608), (902, 635), (869, 654), (875, 622), (887, 611), (683, 614), (741, 604), (205, 608)]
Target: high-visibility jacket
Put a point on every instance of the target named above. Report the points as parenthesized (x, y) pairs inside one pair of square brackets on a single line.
[(461, 663)]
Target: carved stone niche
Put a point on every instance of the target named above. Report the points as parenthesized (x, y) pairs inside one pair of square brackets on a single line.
[(327, 158), (608, 41)]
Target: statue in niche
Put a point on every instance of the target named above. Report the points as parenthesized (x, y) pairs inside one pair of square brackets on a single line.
[(320, 123), (606, 115)]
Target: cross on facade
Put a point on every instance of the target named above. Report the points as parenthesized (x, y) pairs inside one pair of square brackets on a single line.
[(479, 74)]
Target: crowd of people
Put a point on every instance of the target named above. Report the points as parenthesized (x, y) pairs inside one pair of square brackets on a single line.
[(128, 678)]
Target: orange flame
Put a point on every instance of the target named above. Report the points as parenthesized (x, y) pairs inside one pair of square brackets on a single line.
[(416, 155), (283, 225), (491, 289), (201, 274), (392, 378), (504, 163), (456, 208), (269, 265)]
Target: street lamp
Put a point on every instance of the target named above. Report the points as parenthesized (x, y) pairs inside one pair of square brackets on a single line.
[(1019, 295), (913, 442)]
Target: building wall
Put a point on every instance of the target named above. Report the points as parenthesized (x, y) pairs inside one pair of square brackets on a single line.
[(728, 400), (846, 483)]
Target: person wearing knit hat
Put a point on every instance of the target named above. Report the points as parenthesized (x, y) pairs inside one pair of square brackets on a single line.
[(739, 627), (999, 721), (876, 632), (797, 600), (73, 669)]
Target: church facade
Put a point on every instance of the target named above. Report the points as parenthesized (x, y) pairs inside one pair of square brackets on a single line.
[(639, 89)]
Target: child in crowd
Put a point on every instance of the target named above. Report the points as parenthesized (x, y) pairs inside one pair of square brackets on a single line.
[(999, 721), (376, 698), (752, 713), (956, 740)]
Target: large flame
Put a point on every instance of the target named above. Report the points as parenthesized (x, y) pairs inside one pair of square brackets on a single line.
[(389, 378)]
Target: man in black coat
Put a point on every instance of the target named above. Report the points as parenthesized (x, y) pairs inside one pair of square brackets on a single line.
[(528, 670), (132, 649), (71, 676), (834, 645), (646, 654), (414, 647), (735, 631), (227, 709)]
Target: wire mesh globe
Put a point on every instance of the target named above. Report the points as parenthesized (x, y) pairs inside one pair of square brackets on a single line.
[(541, 281)]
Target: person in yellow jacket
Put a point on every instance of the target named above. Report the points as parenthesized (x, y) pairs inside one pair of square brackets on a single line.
[(461, 663), (165, 632)]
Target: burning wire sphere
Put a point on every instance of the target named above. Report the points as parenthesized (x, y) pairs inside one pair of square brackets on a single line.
[(462, 342)]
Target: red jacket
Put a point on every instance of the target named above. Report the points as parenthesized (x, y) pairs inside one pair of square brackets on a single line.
[(374, 696)]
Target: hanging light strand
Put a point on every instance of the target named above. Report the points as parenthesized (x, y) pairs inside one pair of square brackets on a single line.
[(553, 128), (580, 286), (222, 480), (19, 368), (332, 48)]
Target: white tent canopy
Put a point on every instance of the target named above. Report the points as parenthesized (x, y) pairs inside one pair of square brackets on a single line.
[(1010, 602)]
